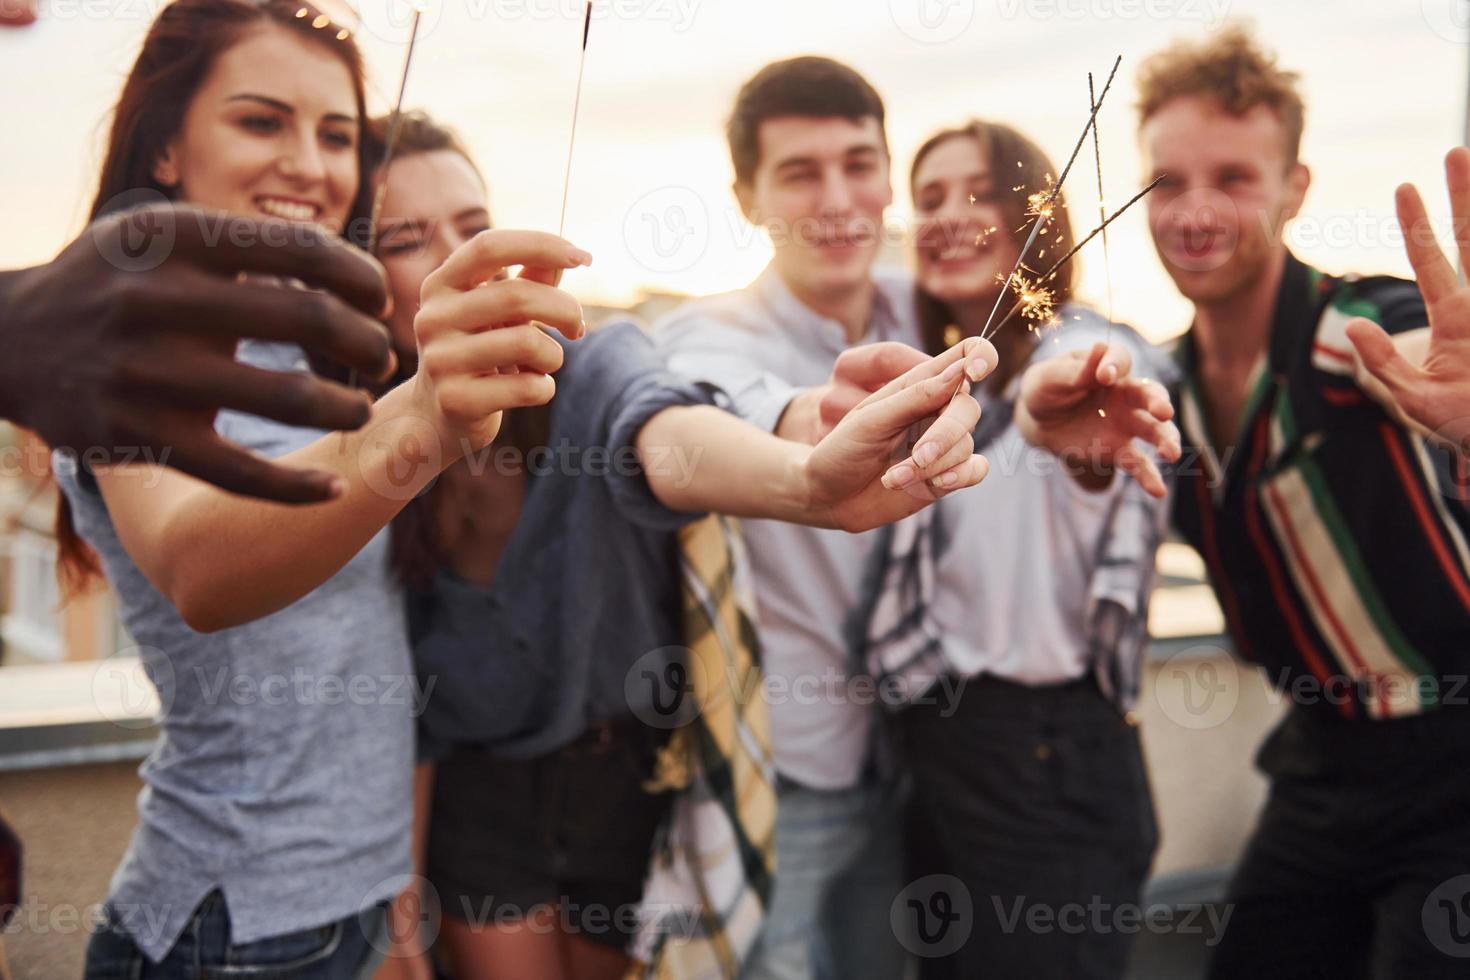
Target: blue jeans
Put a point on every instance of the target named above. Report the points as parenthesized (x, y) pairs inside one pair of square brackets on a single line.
[(839, 867), (345, 950)]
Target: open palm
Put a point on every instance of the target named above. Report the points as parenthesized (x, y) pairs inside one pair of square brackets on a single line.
[(1431, 388)]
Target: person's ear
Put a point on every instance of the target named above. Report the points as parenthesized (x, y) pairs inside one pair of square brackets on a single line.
[(745, 197), (166, 167), (1298, 179)]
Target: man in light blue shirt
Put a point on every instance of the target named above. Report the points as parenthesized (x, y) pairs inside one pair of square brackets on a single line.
[(812, 168)]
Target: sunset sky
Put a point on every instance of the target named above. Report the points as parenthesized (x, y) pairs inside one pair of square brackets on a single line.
[(1385, 82)]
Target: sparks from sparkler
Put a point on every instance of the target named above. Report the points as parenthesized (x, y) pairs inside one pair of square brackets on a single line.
[(1056, 189), (1051, 272), (576, 112)]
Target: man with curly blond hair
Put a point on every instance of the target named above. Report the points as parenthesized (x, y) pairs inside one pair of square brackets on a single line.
[(1324, 483)]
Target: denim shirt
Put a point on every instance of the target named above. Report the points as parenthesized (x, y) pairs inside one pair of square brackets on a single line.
[(588, 584)]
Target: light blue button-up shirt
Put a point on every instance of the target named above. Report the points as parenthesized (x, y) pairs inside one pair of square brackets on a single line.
[(762, 346)]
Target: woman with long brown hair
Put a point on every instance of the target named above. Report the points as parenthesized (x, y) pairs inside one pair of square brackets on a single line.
[(273, 827), (1030, 787)]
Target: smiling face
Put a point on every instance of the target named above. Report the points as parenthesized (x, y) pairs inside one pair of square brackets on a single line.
[(963, 247), (272, 132), (434, 203), (820, 189), (1229, 189)]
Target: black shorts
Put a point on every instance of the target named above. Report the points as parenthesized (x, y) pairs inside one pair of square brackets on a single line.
[(563, 839)]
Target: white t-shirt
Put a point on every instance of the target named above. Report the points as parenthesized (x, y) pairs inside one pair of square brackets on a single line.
[(1012, 587)]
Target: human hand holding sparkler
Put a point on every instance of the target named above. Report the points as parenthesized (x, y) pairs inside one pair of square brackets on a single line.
[(481, 350), (1425, 380), (1084, 408)]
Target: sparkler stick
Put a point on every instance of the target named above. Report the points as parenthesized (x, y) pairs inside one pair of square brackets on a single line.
[(390, 142), (1100, 229), (1044, 209), (576, 112), (1102, 207)]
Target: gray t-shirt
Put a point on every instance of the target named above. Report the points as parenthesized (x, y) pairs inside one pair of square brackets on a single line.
[(282, 774)]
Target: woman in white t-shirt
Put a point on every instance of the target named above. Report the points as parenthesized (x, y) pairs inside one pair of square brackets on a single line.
[(1029, 604)]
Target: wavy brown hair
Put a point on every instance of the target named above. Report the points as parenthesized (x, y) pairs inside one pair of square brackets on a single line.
[(181, 48)]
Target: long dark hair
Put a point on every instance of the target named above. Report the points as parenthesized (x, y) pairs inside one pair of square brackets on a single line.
[(1011, 156), (181, 48), (418, 552)]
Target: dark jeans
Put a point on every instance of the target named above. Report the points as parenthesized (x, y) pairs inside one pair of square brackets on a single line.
[(1360, 866), (343, 950), (1037, 800)]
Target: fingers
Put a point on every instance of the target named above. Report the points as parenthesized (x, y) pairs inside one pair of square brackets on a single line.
[(203, 454), (1433, 271), (1382, 358), (487, 254), (872, 366), (230, 244), (1457, 178), (1137, 464), (509, 349), (17, 13), (1164, 436), (466, 400), (320, 322), (512, 301), (973, 359), (1148, 396), (944, 444), (966, 473), (302, 399), (1104, 366), (892, 414)]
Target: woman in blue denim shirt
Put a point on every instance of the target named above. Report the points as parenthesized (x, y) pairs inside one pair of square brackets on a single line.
[(539, 572)]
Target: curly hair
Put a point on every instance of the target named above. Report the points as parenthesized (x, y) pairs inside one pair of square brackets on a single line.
[(1231, 69)]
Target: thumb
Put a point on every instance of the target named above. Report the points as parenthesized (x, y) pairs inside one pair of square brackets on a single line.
[(1380, 356)]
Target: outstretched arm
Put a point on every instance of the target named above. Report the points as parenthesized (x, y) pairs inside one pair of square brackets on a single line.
[(224, 560), (1085, 409), (1423, 378), (860, 476)]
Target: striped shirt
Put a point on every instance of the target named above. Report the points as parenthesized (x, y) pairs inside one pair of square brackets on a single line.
[(1335, 538)]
